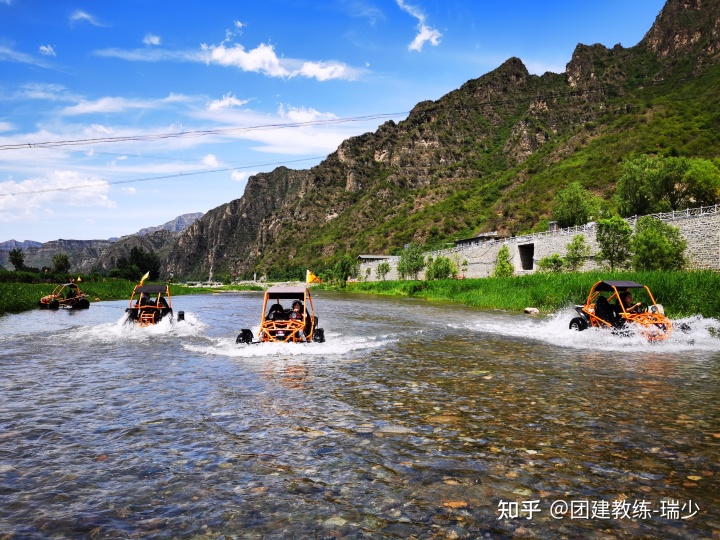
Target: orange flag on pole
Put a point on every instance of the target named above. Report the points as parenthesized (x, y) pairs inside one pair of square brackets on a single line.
[(312, 278)]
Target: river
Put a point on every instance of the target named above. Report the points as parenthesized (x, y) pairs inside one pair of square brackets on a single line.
[(413, 419)]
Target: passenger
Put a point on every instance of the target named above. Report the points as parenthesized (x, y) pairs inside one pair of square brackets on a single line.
[(298, 315), (72, 293)]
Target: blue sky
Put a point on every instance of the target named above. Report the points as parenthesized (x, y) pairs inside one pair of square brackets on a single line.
[(119, 115)]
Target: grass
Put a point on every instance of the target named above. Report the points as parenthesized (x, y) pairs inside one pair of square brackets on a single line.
[(17, 297), (682, 294)]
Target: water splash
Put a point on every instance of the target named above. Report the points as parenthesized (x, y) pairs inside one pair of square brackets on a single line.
[(335, 344), (120, 330), (691, 333)]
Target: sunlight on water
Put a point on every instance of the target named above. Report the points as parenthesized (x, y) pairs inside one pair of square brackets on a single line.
[(702, 335)]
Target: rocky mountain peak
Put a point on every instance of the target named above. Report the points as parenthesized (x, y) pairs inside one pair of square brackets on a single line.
[(687, 28)]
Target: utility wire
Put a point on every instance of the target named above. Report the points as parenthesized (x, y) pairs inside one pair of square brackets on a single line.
[(193, 134), (150, 178)]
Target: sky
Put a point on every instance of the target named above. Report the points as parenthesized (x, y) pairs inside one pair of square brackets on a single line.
[(124, 114)]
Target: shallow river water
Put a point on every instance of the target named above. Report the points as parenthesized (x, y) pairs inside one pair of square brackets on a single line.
[(413, 420)]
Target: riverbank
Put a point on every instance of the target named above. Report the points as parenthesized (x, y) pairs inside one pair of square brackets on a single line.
[(682, 294), (18, 297)]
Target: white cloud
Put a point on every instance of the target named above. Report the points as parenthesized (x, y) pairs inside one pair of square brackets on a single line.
[(24, 200), (228, 101), (47, 50), (152, 55), (6, 126), (261, 59), (80, 15), (239, 25), (301, 114), (264, 60), (324, 71), (210, 160), (43, 91), (120, 104), (425, 33), (151, 39), (10, 55), (242, 176)]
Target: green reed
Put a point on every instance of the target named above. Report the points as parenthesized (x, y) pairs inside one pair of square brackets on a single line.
[(681, 293)]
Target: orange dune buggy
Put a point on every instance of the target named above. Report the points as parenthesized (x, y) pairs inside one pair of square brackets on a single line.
[(281, 323), (604, 308), (153, 303), (73, 298)]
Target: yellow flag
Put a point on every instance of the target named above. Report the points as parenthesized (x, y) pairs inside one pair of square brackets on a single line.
[(79, 278), (142, 279), (312, 278)]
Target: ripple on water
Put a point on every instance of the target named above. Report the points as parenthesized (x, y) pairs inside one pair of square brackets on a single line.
[(396, 426)]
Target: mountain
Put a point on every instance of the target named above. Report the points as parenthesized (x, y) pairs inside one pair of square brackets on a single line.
[(489, 156), (82, 254), (176, 225), (14, 244), (87, 255)]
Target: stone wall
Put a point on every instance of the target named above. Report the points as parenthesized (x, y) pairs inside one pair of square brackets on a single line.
[(699, 226)]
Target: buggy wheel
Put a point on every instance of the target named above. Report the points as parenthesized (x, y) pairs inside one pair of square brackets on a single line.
[(245, 336), (54, 304), (578, 324), (319, 335), (83, 303)]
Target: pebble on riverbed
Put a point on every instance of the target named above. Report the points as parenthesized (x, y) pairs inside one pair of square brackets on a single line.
[(532, 311)]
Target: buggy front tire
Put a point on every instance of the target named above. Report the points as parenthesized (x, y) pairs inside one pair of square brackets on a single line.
[(83, 303), (319, 335), (54, 304), (578, 324)]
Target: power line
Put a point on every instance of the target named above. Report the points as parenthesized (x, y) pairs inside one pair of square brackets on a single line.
[(150, 178), (193, 134)]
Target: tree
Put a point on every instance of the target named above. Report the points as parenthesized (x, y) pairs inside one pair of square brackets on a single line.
[(17, 258), (344, 268), (551, 263), (60, 264), (137, 264), (575, 206), (670, 190), (503, 265), (703, 182), (613, 236), (576, 252), (382, 270), (657, 246), (636, 189), (412, 261), (440, 268)]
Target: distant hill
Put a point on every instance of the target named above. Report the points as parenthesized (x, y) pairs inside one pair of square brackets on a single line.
[(178, 224), (14, 244), (85, 255), (489, 156)]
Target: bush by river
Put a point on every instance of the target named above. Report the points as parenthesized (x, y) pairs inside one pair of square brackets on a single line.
[(681, 293)]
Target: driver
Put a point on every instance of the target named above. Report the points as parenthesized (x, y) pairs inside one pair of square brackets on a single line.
[(627, 301)]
